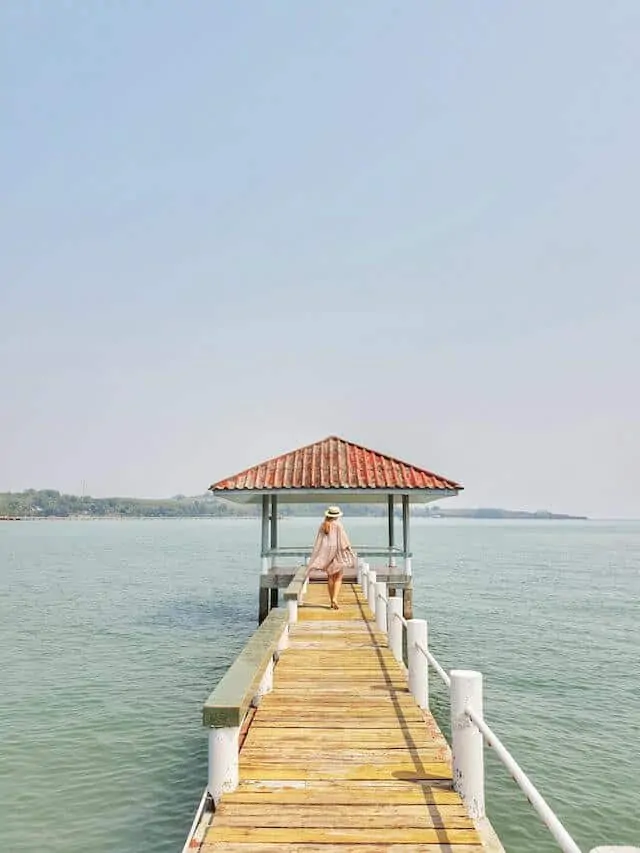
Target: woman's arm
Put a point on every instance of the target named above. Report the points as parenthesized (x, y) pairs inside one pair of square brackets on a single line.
[(317, 545)]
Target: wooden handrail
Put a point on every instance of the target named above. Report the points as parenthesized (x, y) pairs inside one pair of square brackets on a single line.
[(295, 589), (230, 700)]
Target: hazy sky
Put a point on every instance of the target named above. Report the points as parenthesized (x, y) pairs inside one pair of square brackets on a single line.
[(231, 228)]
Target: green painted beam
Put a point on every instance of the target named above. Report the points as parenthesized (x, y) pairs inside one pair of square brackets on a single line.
[(230, 700)]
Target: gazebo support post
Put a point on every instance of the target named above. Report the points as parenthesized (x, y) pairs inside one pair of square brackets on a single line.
[(274, 545), (263, 594), (406, 552), (392, 541)]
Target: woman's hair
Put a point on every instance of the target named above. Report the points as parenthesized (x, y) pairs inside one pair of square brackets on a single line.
[(326, 526)]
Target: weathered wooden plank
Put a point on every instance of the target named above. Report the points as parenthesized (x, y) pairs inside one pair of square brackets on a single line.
[(392, 769), (301, 739), (342, 721), (342, 717), (390, 835), (348, 794), (342, 816), (293, 847), (325, 753)]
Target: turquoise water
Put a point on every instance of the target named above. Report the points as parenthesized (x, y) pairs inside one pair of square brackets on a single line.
[(112, 634)]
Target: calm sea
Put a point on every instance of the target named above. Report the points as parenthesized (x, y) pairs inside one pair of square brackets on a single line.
[(112, 634)]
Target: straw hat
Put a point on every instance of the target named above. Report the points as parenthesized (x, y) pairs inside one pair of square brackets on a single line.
[(333, 512)]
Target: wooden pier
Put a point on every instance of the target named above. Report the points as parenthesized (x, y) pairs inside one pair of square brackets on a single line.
[(338, 757), (320, 740)]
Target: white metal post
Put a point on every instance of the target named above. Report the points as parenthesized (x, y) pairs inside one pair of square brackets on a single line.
[(407, 566), (467, 741), (283, 642), (292, 610), (266, 682), (359, 575), (394, 626), (381, 606), (371, 592), (223, 761), (364, 583), (418, 665)]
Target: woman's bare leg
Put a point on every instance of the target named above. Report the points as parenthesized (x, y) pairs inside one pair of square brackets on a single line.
[(337, 584), (330, 587)]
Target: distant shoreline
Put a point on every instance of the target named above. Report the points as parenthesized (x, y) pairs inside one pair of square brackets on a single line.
[(45, 504), (515, 516)]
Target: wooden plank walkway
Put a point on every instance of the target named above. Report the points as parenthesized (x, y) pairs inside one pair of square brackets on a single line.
[(339, 758)]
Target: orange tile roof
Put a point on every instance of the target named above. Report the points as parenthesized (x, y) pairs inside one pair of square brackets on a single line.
[(334, 463)]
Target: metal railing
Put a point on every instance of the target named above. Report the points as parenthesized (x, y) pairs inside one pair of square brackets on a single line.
[(469, 730), (433, 663)]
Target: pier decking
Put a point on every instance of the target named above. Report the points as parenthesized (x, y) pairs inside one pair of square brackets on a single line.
[(338, 758)]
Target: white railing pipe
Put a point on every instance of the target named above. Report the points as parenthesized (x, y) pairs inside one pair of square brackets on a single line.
[(394, 625), (433, 662), (381, 606), (466, 741), (418, 669), (547, 816)]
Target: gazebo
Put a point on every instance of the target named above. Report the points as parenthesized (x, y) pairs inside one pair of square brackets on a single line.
[(334, 471)]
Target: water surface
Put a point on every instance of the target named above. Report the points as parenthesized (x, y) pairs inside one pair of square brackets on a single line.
[(112, 633)]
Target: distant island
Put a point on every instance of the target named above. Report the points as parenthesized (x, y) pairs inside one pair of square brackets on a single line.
[(486, 512), (49, 503)]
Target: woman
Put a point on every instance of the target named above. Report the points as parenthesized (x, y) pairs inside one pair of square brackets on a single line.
[(332, 552)]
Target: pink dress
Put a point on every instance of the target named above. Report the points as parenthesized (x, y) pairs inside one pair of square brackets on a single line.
[(332, 552)]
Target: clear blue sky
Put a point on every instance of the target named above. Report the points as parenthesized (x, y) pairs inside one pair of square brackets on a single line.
[(228, 229)]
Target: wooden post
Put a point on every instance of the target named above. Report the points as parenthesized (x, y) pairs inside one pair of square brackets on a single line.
[(223, 761), (394, 626), (467, 744), (263, 604), (391, 520), (407, 600), (418, 665), (381, 606)]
